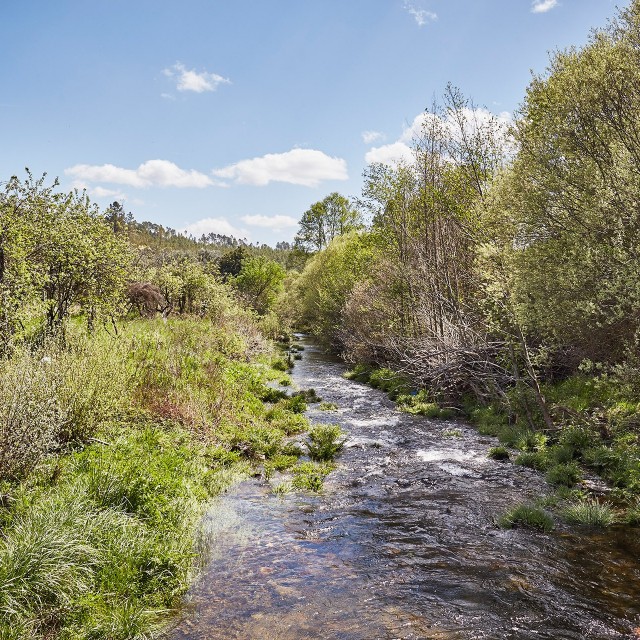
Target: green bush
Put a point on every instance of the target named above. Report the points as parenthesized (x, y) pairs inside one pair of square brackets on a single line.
[(107, 550), (325, 442), (499, 453), (533, 459), (360, 373), (310, 476), (566, 475)]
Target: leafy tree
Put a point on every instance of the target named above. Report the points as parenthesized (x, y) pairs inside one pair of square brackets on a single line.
[(325, 285), (84, 263), (230, 263), (259, 282), (326, 220), (117, 218), (568, 209)]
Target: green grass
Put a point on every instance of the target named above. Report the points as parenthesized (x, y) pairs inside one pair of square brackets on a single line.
[(499, 453), (97, 540), (325, 442), (108, 548), (533, 459), (566, 475), (309, 476), (590, 512), (528, 516)]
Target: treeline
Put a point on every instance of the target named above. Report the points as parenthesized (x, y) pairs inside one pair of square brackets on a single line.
[(63, 258), (503, 259)]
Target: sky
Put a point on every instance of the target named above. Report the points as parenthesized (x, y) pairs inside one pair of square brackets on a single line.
[(234, 116)]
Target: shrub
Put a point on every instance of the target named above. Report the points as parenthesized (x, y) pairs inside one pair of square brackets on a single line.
[(499, 453), (578, 439), (590, 512), (561, 453), (525, 515), (533, 459), (30, 416), (309, 395), (328, 406), (360, 373), (310, 475), (325, 442), (530, 441), (563, 474)]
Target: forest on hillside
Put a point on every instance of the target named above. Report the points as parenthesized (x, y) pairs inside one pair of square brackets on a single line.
[(494, 278)]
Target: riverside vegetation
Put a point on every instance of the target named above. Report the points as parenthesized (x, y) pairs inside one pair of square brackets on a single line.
[(492, 277), (136, 382)]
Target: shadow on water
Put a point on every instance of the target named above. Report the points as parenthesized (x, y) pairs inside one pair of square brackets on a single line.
[(402, 544)]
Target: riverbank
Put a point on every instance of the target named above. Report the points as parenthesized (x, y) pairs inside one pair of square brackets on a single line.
[(403, 542), (114, 447), (596, 434)]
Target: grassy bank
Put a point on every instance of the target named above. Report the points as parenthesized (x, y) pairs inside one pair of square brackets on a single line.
[(111, 448)]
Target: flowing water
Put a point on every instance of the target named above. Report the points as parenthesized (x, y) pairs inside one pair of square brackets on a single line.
[(402, 544)]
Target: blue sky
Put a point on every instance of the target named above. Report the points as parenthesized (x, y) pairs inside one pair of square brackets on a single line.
[(234, 116)]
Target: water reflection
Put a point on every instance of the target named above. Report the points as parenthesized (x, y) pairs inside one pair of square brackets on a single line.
[(402, 544)]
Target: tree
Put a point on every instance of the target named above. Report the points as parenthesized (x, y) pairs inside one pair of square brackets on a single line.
[(259, 282), (326, 220), (230, 263), (569, 205)]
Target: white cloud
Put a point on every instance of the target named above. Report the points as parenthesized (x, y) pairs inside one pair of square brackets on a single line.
[(372, 136), (400, 151), (542, 6), (421, 16), (276, 223), (153, 173), (101, 192), (191, 80), (390, 153), (214, 225), (307, 167)]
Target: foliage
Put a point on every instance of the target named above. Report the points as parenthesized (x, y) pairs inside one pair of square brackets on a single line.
[(325, 442), (110, 547), (259, 282), (525, 515), (57, 253), (565, 475), (322, 289), (499, 453), (325, 220), (590, 512), (310, 476)]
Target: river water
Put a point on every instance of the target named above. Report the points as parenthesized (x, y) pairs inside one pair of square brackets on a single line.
[(402, 543)]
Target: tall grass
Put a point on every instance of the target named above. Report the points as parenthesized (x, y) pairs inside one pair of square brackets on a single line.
[(110, 446)]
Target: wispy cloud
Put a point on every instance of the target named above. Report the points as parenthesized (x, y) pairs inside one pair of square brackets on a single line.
[(372, 136), (307, 167), (153, 173), (542, 6), (192, 80), (421, 16), (277, 222)]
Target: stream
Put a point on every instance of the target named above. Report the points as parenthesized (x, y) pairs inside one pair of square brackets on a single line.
[(402, 543)]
